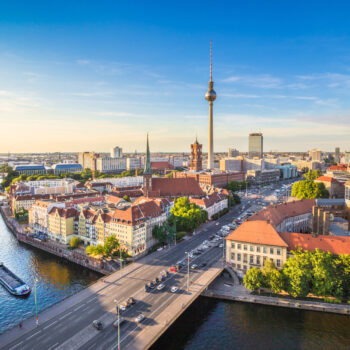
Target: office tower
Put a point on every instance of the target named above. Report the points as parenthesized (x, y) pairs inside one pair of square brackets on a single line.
[(116, 152), (232, 152), (256, 145)]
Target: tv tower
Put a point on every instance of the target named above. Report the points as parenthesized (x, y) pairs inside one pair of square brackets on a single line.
[(211, 96)]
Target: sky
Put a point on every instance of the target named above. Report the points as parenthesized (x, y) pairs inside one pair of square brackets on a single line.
[(90, 75)]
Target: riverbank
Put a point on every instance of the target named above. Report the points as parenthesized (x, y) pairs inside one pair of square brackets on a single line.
[(55, 248), (229, 289)]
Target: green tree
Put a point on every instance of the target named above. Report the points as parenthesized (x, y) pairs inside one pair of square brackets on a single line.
[(99, 249), (75, 242), (275, 281), (127, 198), (111, 244), (307, 189), (90, 250), (297, 272), (312, 175), (254, 279), (342, 273), (160, 234)]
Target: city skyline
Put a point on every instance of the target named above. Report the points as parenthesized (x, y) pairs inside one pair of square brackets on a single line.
[(91, 78)]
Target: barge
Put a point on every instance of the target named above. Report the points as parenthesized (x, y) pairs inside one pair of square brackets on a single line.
[(12, 282)]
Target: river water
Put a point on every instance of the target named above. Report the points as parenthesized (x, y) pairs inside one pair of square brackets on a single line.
[(57, 279), (213, 324)]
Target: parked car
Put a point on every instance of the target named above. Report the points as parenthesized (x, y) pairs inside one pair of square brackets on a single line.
[(98, 325), (202, 265), (123, 306), (173, 269), (194, 266), (174, 289), (131, 301), (139, 318), (161, 286)]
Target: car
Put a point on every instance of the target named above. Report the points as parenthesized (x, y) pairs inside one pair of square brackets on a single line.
[(159, 249), (173, 269), (217, 224), (98, 325), (147, 288), (221, 245), (157, 280), (161, 286), (131, 301), (162, 277), (123, 306), (119, 322), (194, 266), (202, 265), (139, 318), (174, 289), (151, 285)]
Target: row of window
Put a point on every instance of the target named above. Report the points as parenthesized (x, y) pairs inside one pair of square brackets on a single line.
[(253, 259), (256, 248)]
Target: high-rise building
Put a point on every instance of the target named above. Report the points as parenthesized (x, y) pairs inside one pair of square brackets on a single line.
[(196, 156), (315, 155), (232, 152), (337, 155), (116, 152), (256, 145), (210, 96)]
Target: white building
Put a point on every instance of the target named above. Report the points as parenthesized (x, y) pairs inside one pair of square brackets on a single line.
[(126, 181), (108, 164), (116, 152)]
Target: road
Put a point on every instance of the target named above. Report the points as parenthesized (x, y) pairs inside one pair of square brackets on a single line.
[(72, 328)]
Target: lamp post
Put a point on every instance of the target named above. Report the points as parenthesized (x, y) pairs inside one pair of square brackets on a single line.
[(118, 320), (36, 304), (223, 251), (121, 262), (188, 270)]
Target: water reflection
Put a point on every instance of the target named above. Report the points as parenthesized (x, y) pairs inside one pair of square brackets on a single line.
[(57, 279)]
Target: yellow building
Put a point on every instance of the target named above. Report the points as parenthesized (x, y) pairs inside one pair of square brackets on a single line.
[(252, 243), (61, 224)]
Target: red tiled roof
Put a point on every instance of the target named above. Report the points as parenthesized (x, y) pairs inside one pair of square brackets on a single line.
[(175, 187), (161, 165), (276, 214), (62, 212), (113, 199), (257, 232), (334, 244), (339, 167), (208, 201), (326, 179)]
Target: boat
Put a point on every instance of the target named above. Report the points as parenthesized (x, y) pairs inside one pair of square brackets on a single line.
[(12, 282)]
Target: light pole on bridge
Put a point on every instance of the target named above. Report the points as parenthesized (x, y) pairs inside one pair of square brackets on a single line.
[(118, 320)]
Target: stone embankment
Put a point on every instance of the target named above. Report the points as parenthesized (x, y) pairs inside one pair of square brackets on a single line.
[(231, 289), (57, 249)]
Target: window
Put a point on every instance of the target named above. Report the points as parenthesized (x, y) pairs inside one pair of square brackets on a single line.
[(238, 246), (251, 248), (245, 258), (232, 245), (258, 260), (238, 266), (251, 259), (271, 250), (232, 256), (245, 247), (238, 257), (278, 263), (278, 251), (244, 267), (264, 249), (258, 249)]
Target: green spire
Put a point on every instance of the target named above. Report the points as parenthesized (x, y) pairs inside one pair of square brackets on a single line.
[(148, 159)]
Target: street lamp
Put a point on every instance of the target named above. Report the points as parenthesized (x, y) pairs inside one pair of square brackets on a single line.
[(121, 262), (36, 304), (223, 251), (188, 270), (118, 320)]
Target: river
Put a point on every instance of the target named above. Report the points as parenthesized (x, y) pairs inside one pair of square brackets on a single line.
[(215, 325), (56, 279)]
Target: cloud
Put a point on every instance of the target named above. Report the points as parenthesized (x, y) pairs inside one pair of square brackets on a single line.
[(265, 81), (241, 95), (83, 62)]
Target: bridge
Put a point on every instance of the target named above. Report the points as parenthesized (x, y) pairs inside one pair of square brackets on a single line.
[(68, 325)]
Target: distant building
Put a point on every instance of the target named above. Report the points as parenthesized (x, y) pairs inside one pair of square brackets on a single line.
[(232, 152), (287, 171), (196, 156), (263, 177), (335, 188), (316, 155), (65, 168), (30, 169), (337, 155), (256, 145), (116, 152), (88, 160), (110, 165), (232, 164), (347, 157)]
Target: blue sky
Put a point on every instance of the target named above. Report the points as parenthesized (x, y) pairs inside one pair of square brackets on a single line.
[(86, 75)]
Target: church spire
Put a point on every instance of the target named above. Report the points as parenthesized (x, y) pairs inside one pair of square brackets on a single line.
[(148, 159)]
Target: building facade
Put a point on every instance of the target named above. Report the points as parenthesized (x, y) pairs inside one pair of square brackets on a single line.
[(256, 143), (196, 156)]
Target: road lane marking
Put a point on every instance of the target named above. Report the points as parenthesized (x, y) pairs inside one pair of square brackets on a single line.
[(67, 314), (15, 346), (33, 335), (79, 307), (50, 324), (53, 346)]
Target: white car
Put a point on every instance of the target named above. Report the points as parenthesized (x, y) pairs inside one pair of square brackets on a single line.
[(161, 286), (174, 289), (194, 266), (139, 318)]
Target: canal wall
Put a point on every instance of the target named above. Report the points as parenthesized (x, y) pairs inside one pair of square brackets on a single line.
[(223, 288), (57, 249)]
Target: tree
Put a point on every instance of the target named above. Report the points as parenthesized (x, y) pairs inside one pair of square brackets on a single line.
[(75, 242), (254, 279), (160, 234), (127, 198), (111, 244), (275, 281), (237, 186), (324, 277), (307, 189), (342, 273), (297, 272), (90, 250), (99, 250), (312, 175)]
